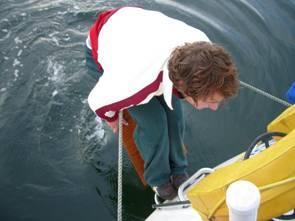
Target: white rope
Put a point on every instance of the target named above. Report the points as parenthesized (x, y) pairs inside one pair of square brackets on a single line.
[(120, 167), (263, 93)]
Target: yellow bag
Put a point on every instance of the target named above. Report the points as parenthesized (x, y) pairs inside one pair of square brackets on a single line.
[(272, 171), (285, 122)]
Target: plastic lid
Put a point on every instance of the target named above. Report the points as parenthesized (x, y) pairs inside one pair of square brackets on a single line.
[(242, 197)]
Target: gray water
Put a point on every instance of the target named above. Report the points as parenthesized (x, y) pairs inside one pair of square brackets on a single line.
[(59, 162)]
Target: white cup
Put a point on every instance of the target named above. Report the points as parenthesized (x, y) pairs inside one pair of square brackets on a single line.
[(242, 199)]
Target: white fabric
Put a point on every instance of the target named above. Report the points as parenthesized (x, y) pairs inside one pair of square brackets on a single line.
[(134, 46)]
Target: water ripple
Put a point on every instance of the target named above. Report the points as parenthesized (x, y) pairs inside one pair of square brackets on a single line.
[(251, 8), (198, 14)]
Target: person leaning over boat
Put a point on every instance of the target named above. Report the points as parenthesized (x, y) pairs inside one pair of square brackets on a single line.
[(146, 62)]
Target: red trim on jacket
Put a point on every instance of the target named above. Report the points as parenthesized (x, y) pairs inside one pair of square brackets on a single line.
[(130, 101), (94, 33)]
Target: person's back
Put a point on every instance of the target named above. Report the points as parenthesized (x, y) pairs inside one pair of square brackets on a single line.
[(136, 32)]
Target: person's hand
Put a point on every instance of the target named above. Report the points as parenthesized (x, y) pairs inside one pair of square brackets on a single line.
[(114, 125)]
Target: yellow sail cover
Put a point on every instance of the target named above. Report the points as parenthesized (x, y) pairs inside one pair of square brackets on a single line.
[(272, 171), (285, 122)]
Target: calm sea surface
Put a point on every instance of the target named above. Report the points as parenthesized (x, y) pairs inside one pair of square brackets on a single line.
[(58, 162)]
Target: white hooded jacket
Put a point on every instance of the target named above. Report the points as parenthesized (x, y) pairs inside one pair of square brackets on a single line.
[(134, 46)]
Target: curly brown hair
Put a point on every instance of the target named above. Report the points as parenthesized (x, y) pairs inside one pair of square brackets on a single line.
[(201, 69)]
